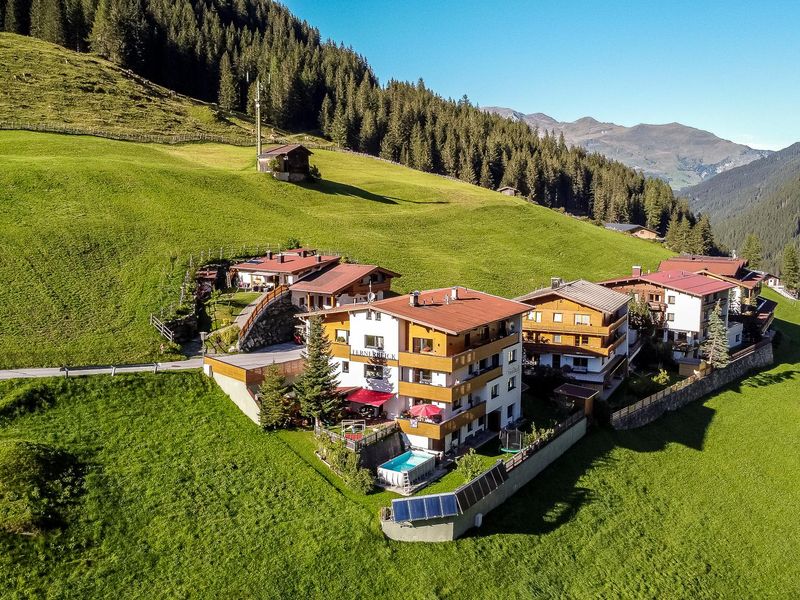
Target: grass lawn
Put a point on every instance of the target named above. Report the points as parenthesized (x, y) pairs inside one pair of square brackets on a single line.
[(94, 232), (184, 497), (229, 307)]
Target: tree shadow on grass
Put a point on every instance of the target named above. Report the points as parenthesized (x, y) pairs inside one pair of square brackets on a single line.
[(334, 188)]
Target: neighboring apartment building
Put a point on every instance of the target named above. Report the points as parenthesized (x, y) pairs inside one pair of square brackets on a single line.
[(581, 328), (681, 303), (340, 284), (731, 270), (282, 268), (456, 349)]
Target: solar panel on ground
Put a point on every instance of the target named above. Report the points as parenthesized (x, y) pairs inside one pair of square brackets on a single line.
[(470, 493), (425, 507)]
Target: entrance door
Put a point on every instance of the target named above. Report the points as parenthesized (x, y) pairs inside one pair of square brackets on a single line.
[(493, 422), (556, 361)]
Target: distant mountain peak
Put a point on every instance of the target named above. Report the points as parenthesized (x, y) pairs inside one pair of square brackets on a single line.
[(680, 154)]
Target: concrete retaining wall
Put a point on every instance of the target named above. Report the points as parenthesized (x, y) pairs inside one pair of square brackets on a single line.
[(633, 417), (451, 528)]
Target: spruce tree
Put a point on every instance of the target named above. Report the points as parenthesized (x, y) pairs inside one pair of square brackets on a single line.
[(752, 251), (316, 390), (48, 21), (701, 238), (715, 347), (17, 17), (275, 410), (340, 130), (790, 269), (228, 90)]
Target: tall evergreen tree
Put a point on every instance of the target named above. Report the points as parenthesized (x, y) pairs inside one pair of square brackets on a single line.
[(48, 21), (715, 347), (790, 269), (228, 89), (316, 389), (752, 251), (702, 239)]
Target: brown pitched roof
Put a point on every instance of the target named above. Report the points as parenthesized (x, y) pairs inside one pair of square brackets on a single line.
[(472, 309), (292, 263), (719, 265), (337, 278), (285, 149), (688, 283), (585, 293)]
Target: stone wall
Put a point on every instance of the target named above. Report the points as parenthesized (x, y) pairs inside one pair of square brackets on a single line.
[(378, 453), (274, 326), (643, 413), (450, 528)]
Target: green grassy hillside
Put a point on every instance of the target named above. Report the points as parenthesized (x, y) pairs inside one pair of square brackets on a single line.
[(88, 226), (701, 504), (45, 85)]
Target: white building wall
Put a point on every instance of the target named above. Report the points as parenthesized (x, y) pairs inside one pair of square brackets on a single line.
[(687, 310)]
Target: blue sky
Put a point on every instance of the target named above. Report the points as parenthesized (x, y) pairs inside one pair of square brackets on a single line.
[(732, 68)]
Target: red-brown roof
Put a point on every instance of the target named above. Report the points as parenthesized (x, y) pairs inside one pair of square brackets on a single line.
[(337, 278), (292, 263), (285, 149), (719, 265), (688, 283), (472, 309)]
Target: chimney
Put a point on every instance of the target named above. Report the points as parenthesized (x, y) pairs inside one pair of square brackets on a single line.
[(413, 299), (319, 258), (269, 254), (636, 271), (454, 293), (556, 282), (280, 258)]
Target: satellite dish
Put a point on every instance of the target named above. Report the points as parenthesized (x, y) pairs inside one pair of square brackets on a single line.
[(371, 297)]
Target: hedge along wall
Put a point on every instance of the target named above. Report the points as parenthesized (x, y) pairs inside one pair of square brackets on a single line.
[(450, 528), (682, 393)]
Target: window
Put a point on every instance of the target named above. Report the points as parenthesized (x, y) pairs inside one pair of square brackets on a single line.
[(342, 336), (469, 426), (422, 344), (512, 356), (345, 366), (512, 383), (369, 315), (510, 411), (373, 341), (738, 338), (581, 340), (582, 320), (535, 316), (558, 318), (377, 316), (495, 391), (580, 362), (373, 372), (423, 376), (557, 338), (482, 421), (670, 316), (670, 299)]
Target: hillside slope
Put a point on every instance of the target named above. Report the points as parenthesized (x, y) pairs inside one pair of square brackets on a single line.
[(45, 85), (762, 197), (88, 227), (679, 154)]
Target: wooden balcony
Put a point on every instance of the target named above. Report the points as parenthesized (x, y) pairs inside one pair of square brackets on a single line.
[(438, 431), (441, 393), (448, 364), (572, 349), (340, 350), (572, 328)]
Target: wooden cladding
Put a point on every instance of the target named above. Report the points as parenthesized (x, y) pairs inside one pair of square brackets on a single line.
[(448, 394), (439, 431), (223, 368), (448, 364), (289, 369)]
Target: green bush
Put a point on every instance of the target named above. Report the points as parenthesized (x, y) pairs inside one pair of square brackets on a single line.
[(470, 465), (36, 482), (661, 378), (346, 464)]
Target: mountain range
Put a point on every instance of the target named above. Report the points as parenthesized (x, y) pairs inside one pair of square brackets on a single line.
[(762, 197), (679, 154)]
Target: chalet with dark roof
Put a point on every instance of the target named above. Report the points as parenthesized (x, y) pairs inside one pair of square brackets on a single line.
[(287, 163)]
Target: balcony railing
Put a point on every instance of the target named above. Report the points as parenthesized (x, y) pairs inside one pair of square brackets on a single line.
[(574, 328), (438, 431), (441, 393), (448, 364)]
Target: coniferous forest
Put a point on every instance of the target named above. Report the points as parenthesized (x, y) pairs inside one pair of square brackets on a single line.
[(215, 50)]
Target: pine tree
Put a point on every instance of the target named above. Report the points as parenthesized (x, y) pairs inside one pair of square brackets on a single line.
[(326, 115), (17, 17), (275, 410), (48, 21), (715, 347), (752, 251), (486, 179), (790, 269), (701, 239), (228, 90), (340, 131), (671, 238), (316, 390)]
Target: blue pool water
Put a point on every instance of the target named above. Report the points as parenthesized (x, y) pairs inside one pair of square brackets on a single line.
[(406, 461)]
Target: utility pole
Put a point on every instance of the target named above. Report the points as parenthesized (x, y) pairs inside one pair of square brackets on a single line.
[(258, 118)]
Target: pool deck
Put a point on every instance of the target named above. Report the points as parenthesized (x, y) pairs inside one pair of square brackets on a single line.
[(437, 474)]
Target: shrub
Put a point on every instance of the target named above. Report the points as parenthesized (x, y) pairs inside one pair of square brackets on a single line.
[(535, 435), (36, 482), (470, 465), (292, 243), (346, 464), (314, 173), (662, 377)]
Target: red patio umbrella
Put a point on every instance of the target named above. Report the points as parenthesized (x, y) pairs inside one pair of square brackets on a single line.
[(425, 410)]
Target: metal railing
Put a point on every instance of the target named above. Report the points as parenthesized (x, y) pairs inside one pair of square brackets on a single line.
[(357, 445), (529, 451)]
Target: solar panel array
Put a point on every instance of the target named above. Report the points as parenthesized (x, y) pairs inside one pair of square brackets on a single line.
[(470, 493), (425, 507)]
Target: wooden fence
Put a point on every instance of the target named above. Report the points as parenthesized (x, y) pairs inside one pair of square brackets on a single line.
[(528, 451), (162, 328), (658, 396), (357, 445), (259, 308)]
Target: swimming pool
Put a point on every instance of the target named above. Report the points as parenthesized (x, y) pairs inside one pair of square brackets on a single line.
[(407, 468)]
